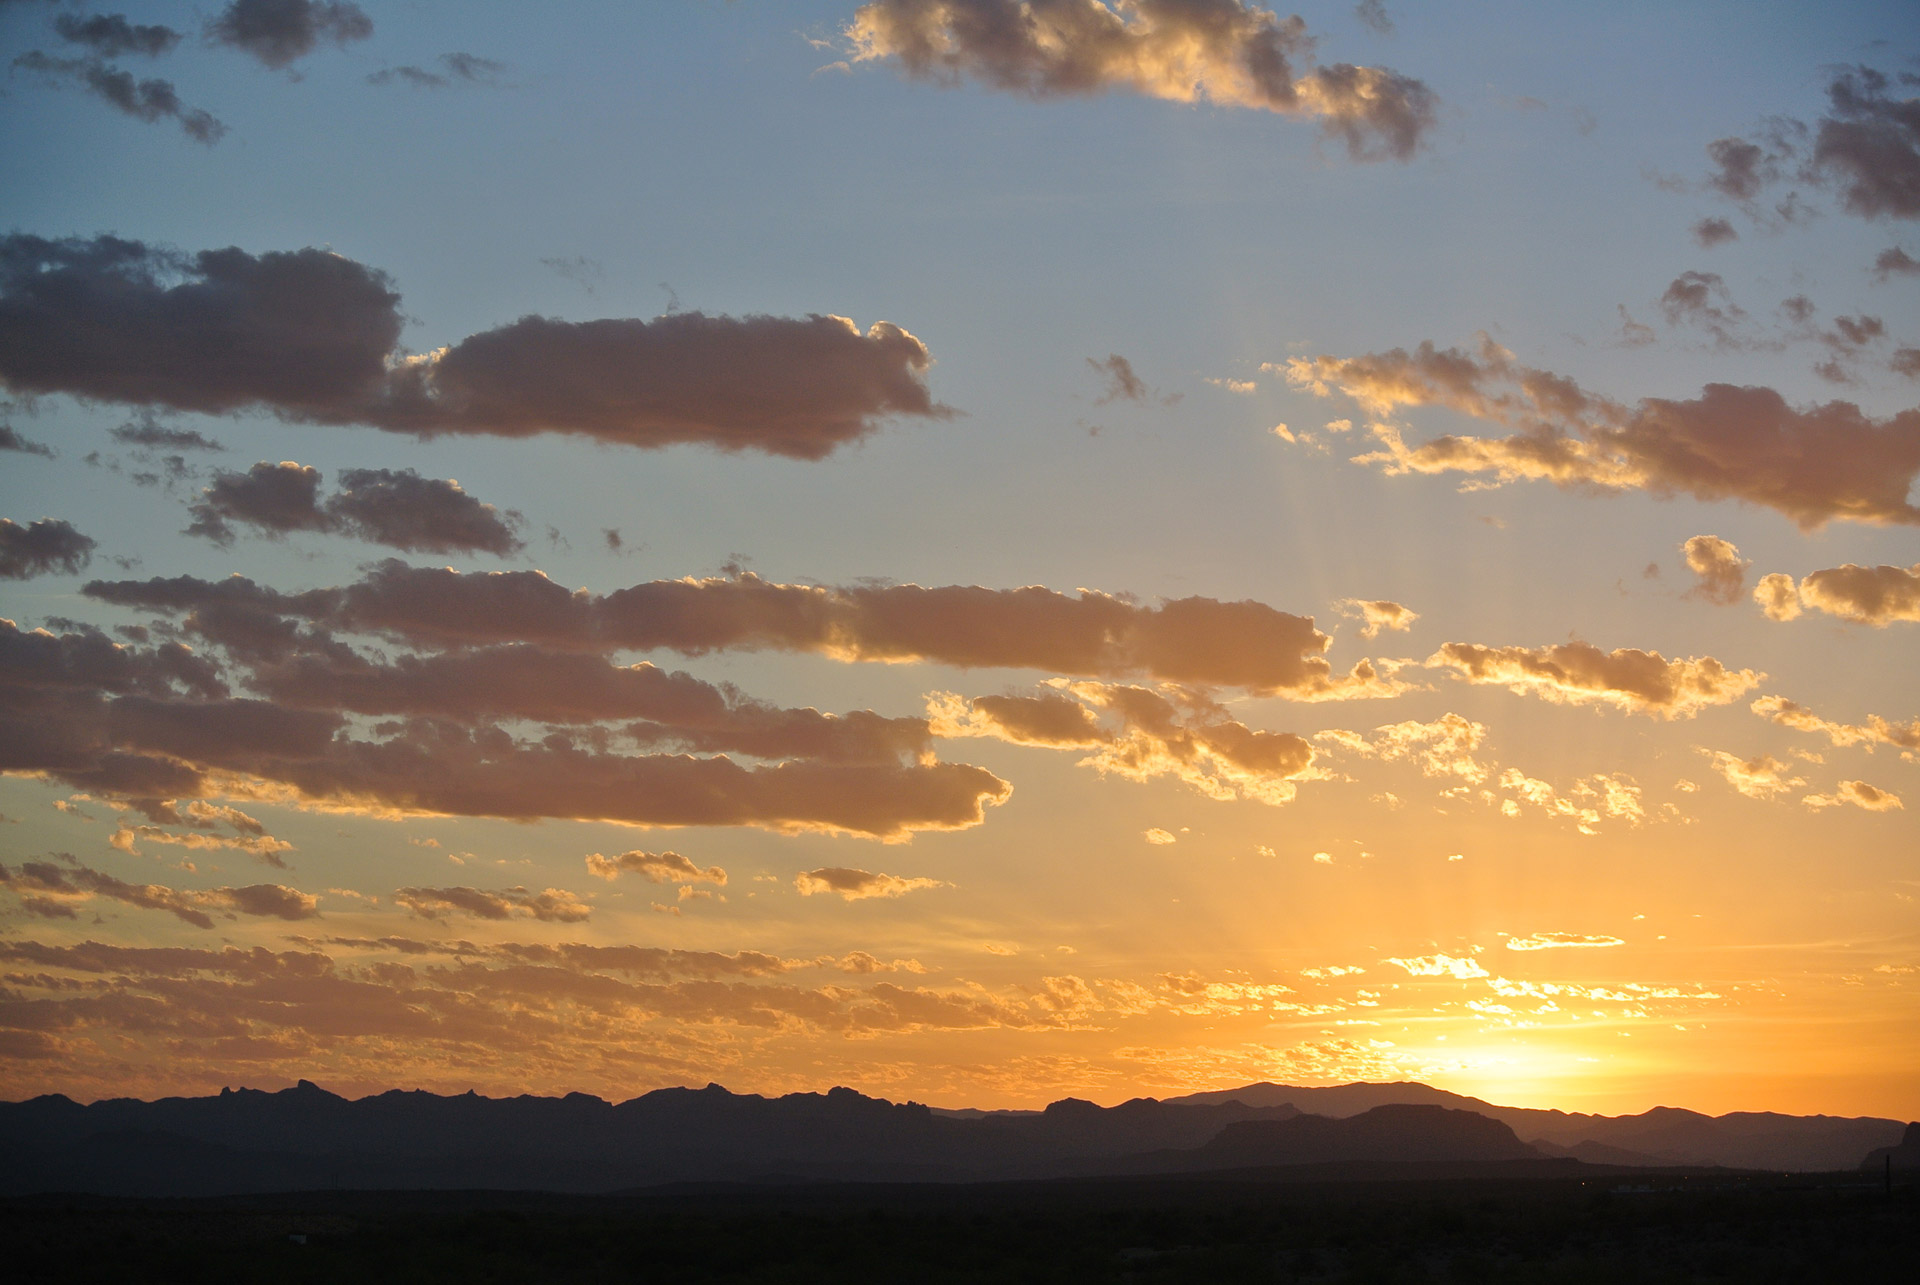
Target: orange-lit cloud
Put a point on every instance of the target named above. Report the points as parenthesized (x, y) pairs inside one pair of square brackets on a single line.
[(52, 889), (553, 905), (1442, 747), (1760, 777), (1720, 573), (1643, 682), (857, 885), (1876, 731), (1461, 967), (1227, 51), (1817, 465), (1875, 596), (655, 867), (1859, 794), (1378, 614), (1562, 941)]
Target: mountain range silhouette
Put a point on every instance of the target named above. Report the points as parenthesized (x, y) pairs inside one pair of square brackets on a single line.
[(305, 1138)]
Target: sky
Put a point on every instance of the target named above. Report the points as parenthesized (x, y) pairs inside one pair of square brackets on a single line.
[(977, 550)]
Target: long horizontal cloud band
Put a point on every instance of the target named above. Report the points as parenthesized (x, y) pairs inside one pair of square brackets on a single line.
[(1200, 641), (1815, 465), (312, 336)]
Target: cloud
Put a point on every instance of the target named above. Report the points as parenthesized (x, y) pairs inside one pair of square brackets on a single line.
[(1170, 732), (1858, 793), (655, 867), (551, 906), (148, 434), (1225, 51), (1158, 837), (1591, 799), (1578, 673), (1708, 233), (1719, 570), (1443, 747), (1815, 465), (42, 547), (137, 722), (64, 884), (313, 337), (1122, 383), (1760, 777), (1374, 17), (1378, 614), (1462, 967), (1562, 941), (1198, 641), (12, 441), (398, 508), (457, 69), (111, 35), (857, 885), (1894, 262), (1777, 596), (280, 32), (1700, 299), (148, 100), (1869, 146), (1875, 596), (1876, 731)]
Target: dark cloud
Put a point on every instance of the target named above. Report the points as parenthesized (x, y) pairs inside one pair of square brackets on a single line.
[(456, 69), (1711, 232), (12, 441), (399, 508), (1374, 17), (147, 100), (64, 884), (313, 337), (148, 434), (1742, 169), (1815, 465), (1122, 383), (1869, 145), (1227, 51), (550, 906), (280, 32), (1198, 641), (111, 35), (1894, 262), (1700, 299), (1905, 361), (42, 547)]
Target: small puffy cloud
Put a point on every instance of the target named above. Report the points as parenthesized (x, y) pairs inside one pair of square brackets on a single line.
[(1708, 233), (1121, 383), (1643, 682), (1159, 837), (1760, 777), (1777, 596), (280, 32), (1859, 794), (1868, 145), (1700, 299), (1463, 967), (1442, 747), (1875, 596), (1562, 941), (398, 508), (1719, 570), (655, 867), (313, 337), (1227, 51), (1374, 17), (1815, 465), (857, 885), (1591, 800), (1377, 614), (554, 905), (1894, 262), (42, 547)]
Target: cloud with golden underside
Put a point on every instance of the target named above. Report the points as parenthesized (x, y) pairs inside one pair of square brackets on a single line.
[(858, 885), (1859, 794), (54, 889), (1225, 51), (1876, 596), (1578, 673), (1814, 464)]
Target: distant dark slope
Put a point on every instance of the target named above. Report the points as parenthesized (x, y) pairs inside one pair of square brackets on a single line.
[(1665, 1135), (1905, 1154), (1392, 1134)]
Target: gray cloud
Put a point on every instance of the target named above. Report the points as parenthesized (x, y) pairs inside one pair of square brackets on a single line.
[(456, 69), (551, 906), (1122, 383), (57, 886), (1894, 262), (313, 336), (148, 100), (399, 508), (280, 32), (149, 434), (1711, 232), (111, 35), (42, 547), (12, 441)]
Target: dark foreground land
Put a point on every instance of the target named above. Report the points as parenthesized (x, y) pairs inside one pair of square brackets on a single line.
[(1652, 1228)]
